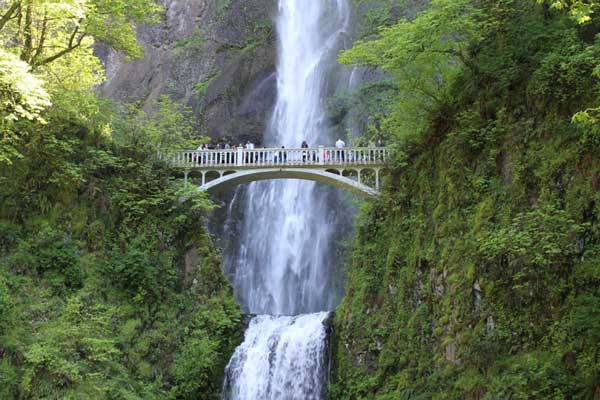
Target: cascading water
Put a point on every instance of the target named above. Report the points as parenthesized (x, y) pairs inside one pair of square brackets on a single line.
[(281, 358), (282, 267)]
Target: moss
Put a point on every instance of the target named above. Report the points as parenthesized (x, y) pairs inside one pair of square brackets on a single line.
[(95, 297), (191, 45), (470, 276)]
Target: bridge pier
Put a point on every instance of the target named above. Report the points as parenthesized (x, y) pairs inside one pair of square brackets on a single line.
[(377, 179), (358, 174), (185, 176)]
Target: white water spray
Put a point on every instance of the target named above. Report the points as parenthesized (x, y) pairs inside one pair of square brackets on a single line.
[(284, 262), (281, 358)]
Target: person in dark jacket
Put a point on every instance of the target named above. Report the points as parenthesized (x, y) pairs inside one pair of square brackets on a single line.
[(304, 146)]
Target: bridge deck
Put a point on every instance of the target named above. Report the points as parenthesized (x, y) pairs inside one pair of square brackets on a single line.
[(319, 158)]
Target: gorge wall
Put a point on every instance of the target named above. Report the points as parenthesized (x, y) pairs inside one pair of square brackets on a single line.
[(476, 274), (219, 58), (216, 56)]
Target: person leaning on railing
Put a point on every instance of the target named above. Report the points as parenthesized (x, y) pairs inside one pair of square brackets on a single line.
[(340, 144)]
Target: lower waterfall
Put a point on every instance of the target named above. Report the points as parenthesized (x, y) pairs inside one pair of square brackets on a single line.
[(281, 358)]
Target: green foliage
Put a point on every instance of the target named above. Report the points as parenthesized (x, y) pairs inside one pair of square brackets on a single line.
[(192, 44), (170, 127), (422, 58), (369, 104), (42, 32), (50, 256), (22, 97), (372, 15), (581, 10), (476, 274), (47, 49), (96, 300)]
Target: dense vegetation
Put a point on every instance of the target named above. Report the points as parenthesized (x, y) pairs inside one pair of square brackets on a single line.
[(477, 274), (110, 287)]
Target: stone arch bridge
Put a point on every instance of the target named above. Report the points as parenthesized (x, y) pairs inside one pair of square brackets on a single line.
[(354, 169)]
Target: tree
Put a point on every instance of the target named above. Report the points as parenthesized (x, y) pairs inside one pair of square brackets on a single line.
[(22, 97), (169, 127), (424, 55), (48, 50), (42, 31), (581, 10)]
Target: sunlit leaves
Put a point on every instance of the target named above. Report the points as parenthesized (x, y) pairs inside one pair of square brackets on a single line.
[(22, 94), (581, 10), (424, 55), (22, 97), (44, 31), (75, 71)]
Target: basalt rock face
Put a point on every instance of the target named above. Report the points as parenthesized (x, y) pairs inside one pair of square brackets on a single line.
[(217, 56)]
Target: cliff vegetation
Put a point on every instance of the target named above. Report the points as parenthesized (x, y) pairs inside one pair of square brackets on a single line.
[(110, 287), (476, 275)]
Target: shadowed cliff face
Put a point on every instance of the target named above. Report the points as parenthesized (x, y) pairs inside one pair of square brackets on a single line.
[(217, 56)]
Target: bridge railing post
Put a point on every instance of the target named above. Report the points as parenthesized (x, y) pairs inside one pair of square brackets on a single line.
[(320, 155), (239, 156)]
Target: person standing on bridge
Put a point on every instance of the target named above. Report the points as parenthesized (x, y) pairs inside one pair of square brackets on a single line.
[(283, 155), (195, 157), (380, 143), (304, 145), (204, 155), (247, 155), (341, 153), (371, 153), (226, 155)]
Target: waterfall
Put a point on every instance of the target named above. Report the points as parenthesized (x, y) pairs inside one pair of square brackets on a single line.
[(282, 268), (282, 263), (281, 358)]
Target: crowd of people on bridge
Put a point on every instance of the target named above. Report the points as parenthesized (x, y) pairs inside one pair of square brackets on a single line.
[(229, 157)]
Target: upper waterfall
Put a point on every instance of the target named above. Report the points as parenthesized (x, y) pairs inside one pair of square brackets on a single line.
[(309, 35), (284, 258)]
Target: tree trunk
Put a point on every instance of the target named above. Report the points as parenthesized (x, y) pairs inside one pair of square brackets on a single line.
[(9, 14), (28, 33)]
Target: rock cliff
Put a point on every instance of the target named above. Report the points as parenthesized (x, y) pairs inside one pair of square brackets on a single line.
[(216, 56)]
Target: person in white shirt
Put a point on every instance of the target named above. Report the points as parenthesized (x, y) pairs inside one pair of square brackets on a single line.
[(250, 157), (340, 144)]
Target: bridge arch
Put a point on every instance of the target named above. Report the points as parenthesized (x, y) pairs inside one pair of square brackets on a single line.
[(221, 168), (252, 175)]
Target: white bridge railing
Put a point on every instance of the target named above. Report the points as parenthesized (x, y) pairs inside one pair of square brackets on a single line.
[(239, 157)]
